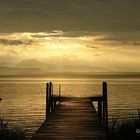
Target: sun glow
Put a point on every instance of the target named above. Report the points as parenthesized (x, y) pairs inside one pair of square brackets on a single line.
[(62, 46), (85, 49)]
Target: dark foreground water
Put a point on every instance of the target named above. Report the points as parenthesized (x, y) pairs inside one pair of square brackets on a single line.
[(23, 103)]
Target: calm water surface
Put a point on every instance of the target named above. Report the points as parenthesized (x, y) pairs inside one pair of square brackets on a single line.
[(23, 103)]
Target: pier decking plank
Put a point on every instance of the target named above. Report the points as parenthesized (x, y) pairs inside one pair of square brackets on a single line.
[(74, 119)]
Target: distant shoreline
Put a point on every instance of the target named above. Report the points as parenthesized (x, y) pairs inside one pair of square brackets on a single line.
[(74, 76)]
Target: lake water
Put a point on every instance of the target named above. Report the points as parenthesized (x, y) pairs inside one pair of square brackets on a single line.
[(23, 103)]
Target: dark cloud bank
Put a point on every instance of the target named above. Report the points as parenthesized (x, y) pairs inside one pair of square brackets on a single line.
[(69, 15), (15, 42)]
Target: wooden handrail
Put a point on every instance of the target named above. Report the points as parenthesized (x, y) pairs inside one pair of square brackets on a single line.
[(105, 105), (51, 101), (102, 105)]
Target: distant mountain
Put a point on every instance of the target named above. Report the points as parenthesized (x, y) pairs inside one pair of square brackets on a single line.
[(36, 67), (20, 71), (57, 67), (38, 72), (30, 63), (84, 68)]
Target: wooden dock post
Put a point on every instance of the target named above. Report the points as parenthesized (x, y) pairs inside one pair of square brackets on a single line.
[(50, 97), (100, 109), (50, 100), (59, 90), (47, 100), (105, 105)]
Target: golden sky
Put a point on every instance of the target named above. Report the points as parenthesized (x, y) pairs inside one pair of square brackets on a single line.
[(59, 49), (100, 33)]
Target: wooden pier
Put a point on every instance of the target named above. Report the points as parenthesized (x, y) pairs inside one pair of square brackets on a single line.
[(74, 118)]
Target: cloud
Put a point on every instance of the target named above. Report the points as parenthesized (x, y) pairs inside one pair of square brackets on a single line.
[(15, 42), (54, 33), (13, 52), (131, 38), (78, 34), (3, 34), (39, 36), (110, 39), (67, 15), (92, 46), (136, 43)]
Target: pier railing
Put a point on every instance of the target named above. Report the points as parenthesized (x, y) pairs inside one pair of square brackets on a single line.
[(102, 101), (50, 101), (102, 105)]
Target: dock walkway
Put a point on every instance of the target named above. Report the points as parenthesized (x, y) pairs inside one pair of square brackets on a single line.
[(72, 119)]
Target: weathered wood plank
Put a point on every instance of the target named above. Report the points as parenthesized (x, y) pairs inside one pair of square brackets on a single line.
[(74, 119)]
